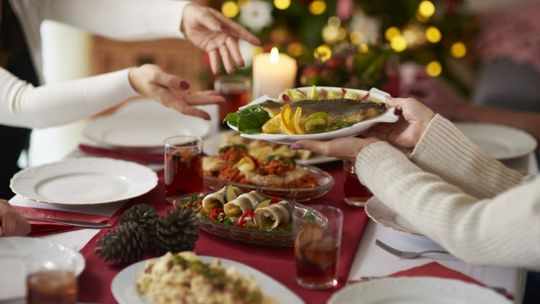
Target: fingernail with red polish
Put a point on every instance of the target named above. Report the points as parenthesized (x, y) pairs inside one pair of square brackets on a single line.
[(184, 85), (296, 146)]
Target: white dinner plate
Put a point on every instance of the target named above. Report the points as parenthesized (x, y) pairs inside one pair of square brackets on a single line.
[(416, 290), (498, 141), (19, 254), (385, 216), (213, 143), (124, 290), (143, 124), (84, 181), (356, 129)]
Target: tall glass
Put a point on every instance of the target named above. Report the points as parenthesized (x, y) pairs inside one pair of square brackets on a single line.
[(317, 245), (355, 193), (51, 282), (235, 89), (183, 167)]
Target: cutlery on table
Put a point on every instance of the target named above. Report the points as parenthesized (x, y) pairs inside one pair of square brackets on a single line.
[(406, 254), (75, 223)]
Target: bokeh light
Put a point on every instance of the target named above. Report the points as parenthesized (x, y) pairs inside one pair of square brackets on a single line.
[(334, 21), (363, 48), (434, 68), (458, 49), (357, 37), (426, 9), (317, 7), (330, 34), (398, 43), (295, 49), (391, 32), (282, 4), (433, 34), (229, 9), (323, 52)]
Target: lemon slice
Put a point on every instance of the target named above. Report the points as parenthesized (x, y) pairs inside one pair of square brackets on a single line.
[(296, 121), (245, 164), (286, 113), (273, 125)]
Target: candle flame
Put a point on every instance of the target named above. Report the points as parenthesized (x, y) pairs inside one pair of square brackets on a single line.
[(274, 55)]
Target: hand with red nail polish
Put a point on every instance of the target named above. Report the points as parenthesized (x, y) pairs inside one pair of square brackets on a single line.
[(170, 90), (217, 35)]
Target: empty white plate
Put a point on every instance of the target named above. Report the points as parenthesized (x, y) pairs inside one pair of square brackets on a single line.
[(498, 141), (18, 253), (124, 290), (416, 290), (143, 124), (84, 181)]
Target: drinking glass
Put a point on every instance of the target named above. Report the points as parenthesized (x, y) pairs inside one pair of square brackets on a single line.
[(317, 244), (183, 167), (235, 89), (355, 193), (49, 282)]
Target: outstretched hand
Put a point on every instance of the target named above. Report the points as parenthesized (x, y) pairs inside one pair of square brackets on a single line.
[(343, 148), (170, 90), (11, 222), (217, 35)]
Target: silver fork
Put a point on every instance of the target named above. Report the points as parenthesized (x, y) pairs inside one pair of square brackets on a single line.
[(75, 223), (406, 254)]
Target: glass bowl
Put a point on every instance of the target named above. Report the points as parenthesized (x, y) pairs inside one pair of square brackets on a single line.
[(325, 182), (255, 236)]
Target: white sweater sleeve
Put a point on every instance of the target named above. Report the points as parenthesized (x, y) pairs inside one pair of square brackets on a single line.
[(446, 152), (118, 19), (503, 230), (23, 105)]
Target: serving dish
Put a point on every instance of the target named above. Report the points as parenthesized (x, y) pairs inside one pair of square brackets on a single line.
[(373, 95)]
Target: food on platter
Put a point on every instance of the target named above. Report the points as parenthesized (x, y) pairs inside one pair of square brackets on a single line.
[(265, 168), (250, 210), (261, 149), (307, 111), (183, 278)]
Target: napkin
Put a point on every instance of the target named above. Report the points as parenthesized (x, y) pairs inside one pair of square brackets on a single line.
[(148, 157), (43, 228)]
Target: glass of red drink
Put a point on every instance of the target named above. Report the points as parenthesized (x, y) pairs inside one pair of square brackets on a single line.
[(355, 193), (316, 246), (183, 167), (235, 89), (50, 282)]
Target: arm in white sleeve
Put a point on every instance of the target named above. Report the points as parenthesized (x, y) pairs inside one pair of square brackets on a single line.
[(503, 230), (118, 19), (24, 105), (446, 152)]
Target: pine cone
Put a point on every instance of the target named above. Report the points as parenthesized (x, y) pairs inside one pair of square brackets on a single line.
[(177, 231), (144, 215), (126, 243)]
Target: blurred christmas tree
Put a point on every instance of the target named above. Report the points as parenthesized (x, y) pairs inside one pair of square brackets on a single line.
[(350, 43)]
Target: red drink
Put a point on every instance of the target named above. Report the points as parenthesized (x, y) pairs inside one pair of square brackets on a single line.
[(235, 89), (183, 167), (355, 193), (51, 287), (316, 258), (233, 101)]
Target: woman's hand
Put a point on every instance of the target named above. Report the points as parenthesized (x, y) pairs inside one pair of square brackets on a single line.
[(405, 133), (11, 222), (343, 148), (436, 95), (151, 81), (216, 34)]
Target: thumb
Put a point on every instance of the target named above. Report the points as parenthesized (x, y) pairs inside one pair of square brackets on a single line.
[(316, 146)]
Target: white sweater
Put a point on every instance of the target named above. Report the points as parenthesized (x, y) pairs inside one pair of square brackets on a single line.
[(23, 105), (475, 207)]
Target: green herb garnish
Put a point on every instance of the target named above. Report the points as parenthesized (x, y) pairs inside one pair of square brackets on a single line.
[(248, 120)]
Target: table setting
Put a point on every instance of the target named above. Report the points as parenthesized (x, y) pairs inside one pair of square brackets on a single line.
[(151, 197)]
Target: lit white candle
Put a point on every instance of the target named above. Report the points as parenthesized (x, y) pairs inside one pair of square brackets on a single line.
[(272, 73)]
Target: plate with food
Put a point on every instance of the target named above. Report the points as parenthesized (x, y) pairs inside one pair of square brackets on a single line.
[(261, 148), (248, 217), (187, 278), (271, 174), (320, 113)]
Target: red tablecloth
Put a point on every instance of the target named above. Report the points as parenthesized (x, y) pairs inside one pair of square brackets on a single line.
[(95, 281)]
